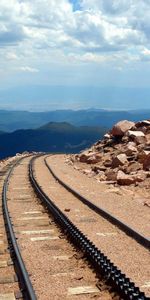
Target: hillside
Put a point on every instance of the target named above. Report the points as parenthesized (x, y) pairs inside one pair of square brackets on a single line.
[(52, 137), (122, 157), (15, 120)]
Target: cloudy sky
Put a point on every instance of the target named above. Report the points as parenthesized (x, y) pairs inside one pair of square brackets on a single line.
[(82, 52)]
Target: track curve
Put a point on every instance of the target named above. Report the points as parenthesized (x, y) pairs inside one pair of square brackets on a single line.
[(23, 276), (105, 214), (93, 254)]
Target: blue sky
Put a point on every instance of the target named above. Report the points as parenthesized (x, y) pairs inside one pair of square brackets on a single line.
[(101, 44)]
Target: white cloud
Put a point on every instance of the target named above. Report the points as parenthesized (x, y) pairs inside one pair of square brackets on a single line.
[(11, 56), (146, 52), (44, 31), (108, 6), (145, 55), (28, 69), (88, 58)]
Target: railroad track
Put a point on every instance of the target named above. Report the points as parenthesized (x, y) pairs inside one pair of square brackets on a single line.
[(99, 261), (27, 218), (26, 288), (141, 239), (39, 248)]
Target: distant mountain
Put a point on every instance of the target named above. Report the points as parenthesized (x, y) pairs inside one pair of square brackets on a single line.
[(14, 120), (52, 137), (47, 97), (58, 127), (2, 132)]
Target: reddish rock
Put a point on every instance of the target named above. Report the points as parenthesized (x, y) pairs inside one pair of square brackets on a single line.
[(143, 155), (107, 150), (119, 160), (137, 136), (125, 159), (134, 167), (140, 148), (125, 139), (140, 140), (124, 179), (142, 123), (148, 139), (89, 157), (83, 157), (93, 159), (107, 163), (130, 149), (139, 176), (146, 162), (121, 128), (111, 174), (135, 133), (98, 169), (101, 176)]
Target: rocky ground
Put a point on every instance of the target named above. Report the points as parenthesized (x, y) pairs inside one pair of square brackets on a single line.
[(121, 158)]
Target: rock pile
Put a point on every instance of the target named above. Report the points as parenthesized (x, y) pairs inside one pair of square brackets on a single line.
[(123, 156)]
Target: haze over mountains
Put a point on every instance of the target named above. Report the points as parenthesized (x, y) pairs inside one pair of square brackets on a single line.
[(14, 120), (53, 137), (64, 131), (45, 97)]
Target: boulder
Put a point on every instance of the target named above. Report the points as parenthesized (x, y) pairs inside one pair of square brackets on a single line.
[(107, 163), (146, 161), (119, 160), (143, 129), (143, 155), (107, 136), (139, 176), (122, 156), (135, 133), (125, 139), (88, 156), (83, 156), (130, 149), (121, 128), (94, 159), (140, 147), (148, 139), (124, 179), (140, 140), (101, 176), (134, 167), (142, 123), (98, 169), (137, 136), (111, 174)]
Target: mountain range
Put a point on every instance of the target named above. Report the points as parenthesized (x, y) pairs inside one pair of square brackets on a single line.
[(14, 120), (52, 137)]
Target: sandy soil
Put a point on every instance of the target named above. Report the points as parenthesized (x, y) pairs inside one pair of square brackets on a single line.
[(128, 255), (53, 264)]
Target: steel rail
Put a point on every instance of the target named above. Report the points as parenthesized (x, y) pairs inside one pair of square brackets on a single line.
[(98, 260), (23, 276), (141, 239)]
